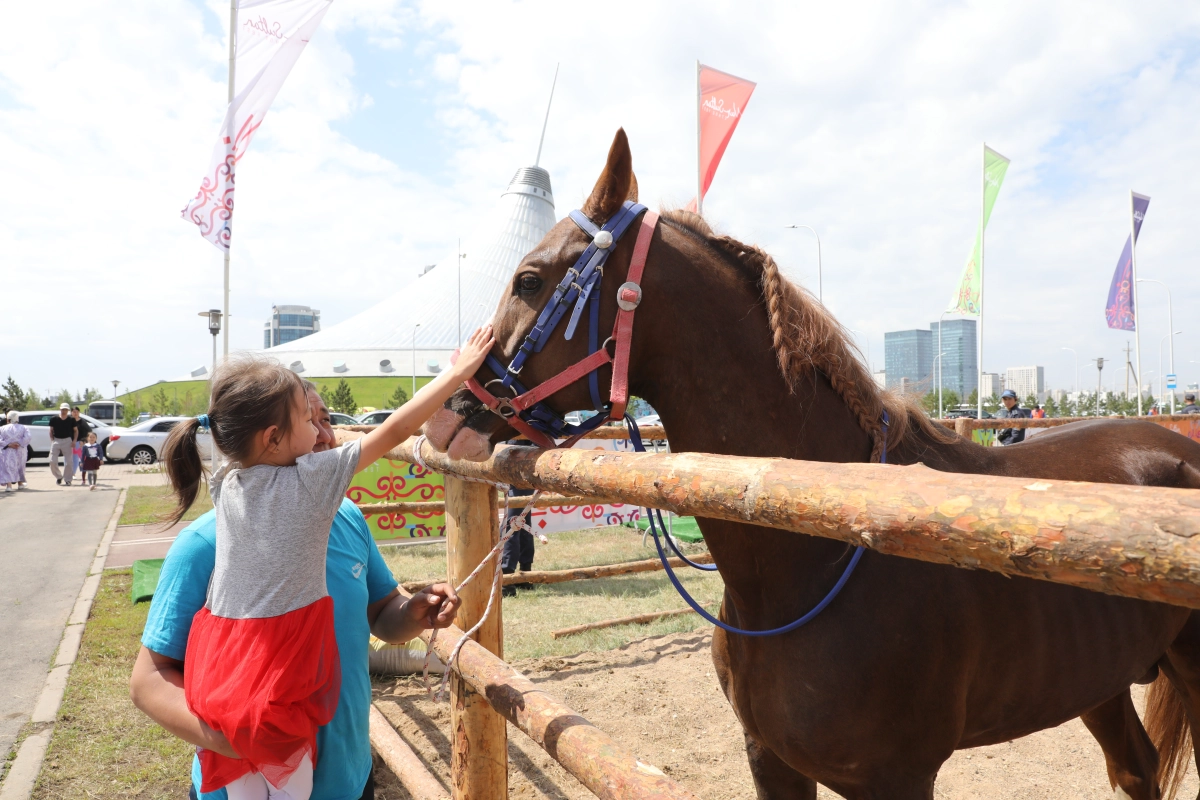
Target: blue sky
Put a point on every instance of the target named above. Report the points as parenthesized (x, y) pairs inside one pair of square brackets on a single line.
[(402, 123)]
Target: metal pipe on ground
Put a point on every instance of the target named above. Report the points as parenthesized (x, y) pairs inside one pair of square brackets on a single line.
[(1135, 541), (578, 573), (402, 761), (603, 766)]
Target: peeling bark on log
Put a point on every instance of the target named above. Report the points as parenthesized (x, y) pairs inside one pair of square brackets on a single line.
[(578, 573), (636, 619), (1135, 541), (402, 761), (649, 432), (606, 768)]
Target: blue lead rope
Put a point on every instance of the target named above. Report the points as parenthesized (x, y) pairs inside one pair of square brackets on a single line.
[(636, 439)]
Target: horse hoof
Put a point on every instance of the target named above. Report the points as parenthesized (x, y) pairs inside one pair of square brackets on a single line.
[(469, 445), (441, 427)]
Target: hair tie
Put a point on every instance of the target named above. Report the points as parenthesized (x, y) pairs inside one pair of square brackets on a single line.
[(203, 420)]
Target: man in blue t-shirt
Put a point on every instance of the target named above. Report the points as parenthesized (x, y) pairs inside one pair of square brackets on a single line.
[(366, 600)]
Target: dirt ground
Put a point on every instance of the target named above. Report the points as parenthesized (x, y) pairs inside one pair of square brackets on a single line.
[(659, 698)]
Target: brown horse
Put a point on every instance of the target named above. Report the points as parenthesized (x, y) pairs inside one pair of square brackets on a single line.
[(913, 660)]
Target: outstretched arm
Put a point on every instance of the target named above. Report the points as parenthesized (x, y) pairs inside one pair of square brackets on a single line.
[(410, 416)]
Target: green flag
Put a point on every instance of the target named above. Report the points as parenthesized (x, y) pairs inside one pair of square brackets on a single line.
[(967, 301)]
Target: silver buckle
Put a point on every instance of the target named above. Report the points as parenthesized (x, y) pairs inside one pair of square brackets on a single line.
[(631, 303)]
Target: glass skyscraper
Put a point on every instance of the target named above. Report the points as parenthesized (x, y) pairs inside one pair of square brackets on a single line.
[(289, 323), (960, 372), (908, 360)]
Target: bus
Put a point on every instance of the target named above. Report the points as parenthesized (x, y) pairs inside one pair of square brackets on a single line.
[(108, 411)]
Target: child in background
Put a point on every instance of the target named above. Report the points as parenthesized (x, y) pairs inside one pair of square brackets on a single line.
[(77, 454), (92, 458), (261, 665)]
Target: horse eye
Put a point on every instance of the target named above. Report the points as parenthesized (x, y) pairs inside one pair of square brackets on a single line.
[(528, 283)]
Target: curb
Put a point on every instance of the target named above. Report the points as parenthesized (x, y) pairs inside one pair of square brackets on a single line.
[(19, 781)]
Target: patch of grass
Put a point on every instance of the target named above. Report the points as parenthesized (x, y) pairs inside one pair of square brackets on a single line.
[(102, 746), (530, 617), (145, 505)]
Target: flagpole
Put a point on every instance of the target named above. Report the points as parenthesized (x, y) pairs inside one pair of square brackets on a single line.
[(979, 340), (229, 133), (1137, 318), (699, 155)]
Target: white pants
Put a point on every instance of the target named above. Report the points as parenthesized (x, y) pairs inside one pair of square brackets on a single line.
[(255, 787), (64, 448)]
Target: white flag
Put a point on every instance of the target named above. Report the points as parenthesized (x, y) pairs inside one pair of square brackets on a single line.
[(271, 34)]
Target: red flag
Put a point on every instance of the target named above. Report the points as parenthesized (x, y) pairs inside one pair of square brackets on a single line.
[(722, 100)]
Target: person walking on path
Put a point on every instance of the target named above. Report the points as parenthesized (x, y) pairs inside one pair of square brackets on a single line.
[(519, 549), (1191, 407), (14, 449), (82, 429), (1012, 410), (92, 459), (63, 433)]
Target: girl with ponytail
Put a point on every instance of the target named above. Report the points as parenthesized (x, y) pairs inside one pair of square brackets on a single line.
[(261, 665)]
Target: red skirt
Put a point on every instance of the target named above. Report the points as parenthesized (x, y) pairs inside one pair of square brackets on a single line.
[(267, 685)]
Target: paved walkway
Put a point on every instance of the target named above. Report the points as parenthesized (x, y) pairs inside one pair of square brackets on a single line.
[(48, 537)]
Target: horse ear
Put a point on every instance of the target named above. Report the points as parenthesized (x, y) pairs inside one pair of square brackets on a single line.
[(615, 184), (633, 188)]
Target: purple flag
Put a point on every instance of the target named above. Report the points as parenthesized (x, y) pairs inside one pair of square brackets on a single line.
[(1119, 310)]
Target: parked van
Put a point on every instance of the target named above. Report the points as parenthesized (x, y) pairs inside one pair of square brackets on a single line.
[(103, 410)]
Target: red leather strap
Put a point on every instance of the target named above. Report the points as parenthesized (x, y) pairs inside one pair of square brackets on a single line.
[(562, 380), (520, 425), (618, 393)]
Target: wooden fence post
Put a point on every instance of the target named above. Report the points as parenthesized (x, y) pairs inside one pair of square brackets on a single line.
[(479, 757)]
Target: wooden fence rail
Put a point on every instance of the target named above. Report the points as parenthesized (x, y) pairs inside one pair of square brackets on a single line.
[(1135, 541)]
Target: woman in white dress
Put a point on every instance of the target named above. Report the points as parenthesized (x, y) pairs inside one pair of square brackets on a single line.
[(14, 448)]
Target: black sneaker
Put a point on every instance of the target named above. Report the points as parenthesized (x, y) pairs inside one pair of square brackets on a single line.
[(58, 481), (508, 591)]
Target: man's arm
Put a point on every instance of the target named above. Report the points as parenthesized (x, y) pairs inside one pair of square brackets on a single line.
[(156, 687), (398, 618)]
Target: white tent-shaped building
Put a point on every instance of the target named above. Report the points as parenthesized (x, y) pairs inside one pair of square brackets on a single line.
[(379, 342)]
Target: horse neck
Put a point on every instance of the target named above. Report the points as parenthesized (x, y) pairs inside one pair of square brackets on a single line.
[(704, 359)]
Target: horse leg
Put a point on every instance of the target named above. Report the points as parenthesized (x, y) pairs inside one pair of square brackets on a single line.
[(1173, 705), (1129, 754), (775, 780)]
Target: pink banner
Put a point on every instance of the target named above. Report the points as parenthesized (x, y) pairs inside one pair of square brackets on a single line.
[(722, 98)]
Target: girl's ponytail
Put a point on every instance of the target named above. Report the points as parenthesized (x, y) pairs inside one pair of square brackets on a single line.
[(184, 468)]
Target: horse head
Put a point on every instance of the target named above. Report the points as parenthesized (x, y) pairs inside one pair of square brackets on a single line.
[(464, 427)]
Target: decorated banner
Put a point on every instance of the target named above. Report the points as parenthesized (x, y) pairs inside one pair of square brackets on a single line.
[(271, 35), (968, 302), (1119, 311), (388, 481), (722, 100)]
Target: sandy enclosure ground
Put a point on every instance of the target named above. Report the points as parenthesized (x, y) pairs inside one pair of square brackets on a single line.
[(659, 697)]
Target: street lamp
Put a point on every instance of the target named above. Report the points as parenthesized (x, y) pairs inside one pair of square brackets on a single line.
[(1099, 385), (214, 327), (1161, 375), (1078, 385), (1171, 324), (939, 372), (114, 411), (414, 360), (820, 282)]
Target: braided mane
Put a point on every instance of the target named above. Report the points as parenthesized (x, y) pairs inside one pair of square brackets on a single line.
[(807, 338)]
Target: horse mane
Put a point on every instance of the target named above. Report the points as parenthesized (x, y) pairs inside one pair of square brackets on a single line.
[(807, 339)]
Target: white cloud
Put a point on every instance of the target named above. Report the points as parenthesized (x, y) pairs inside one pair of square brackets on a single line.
[(866, 124)]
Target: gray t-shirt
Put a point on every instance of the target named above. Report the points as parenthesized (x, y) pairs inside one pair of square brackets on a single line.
[(273, 533)]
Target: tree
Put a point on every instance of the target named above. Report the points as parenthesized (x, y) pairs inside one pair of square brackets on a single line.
[(929, 402), (32, 401), (90, 395), (160, 404), (12, 395), (398, 398), (1051, 407), (342, 399)]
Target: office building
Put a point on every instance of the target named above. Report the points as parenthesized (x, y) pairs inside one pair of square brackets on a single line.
[(908, 360), (959, 366), (289, 323), (880, 377), (1026, 381), (993, 384)]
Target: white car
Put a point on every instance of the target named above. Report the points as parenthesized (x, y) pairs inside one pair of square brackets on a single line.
[(142, 443), (38, 423)]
